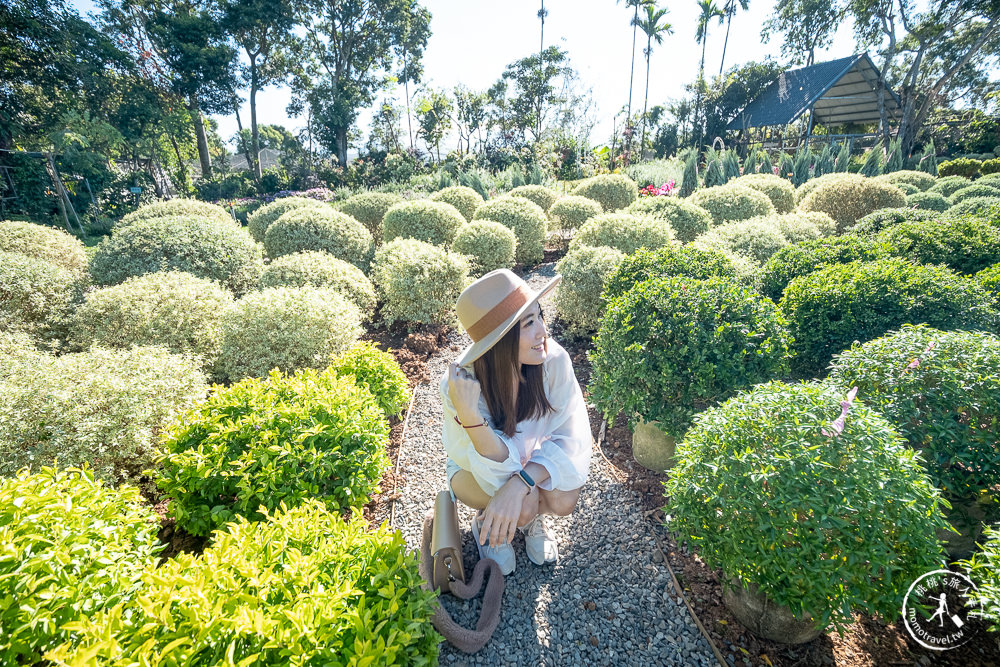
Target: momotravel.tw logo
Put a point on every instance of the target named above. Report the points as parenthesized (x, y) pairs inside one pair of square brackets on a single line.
[(936, 610)]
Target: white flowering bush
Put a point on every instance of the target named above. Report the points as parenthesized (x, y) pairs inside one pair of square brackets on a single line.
[(418, 282), (539, 194), (571, 211), (369, 208), (624, 232), (177, 207), (578, 299), (37, 297), (928, 201), (921, 180), (525, 218), (264, 217), (489, 246), (686, 219), (53, 245), (466, 200), (852, 197), (287, 328), (757, 238), (200, 246), (176, 310), (732, 201), (779, 190), (321, 269), (320, 229), (613, 191), (434, 222), (104, 408)]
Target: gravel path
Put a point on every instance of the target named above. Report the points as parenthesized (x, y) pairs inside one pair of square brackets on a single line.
[(607, 600)]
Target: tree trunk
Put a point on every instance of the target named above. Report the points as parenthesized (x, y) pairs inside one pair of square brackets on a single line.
[(342, 146), (246, 150), (406, 88), (631, 77), (645, 99), (199, 130), (729, 22), (255, 136), (541, 65), (696, 125)]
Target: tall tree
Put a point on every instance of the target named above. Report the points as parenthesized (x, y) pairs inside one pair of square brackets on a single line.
[(946, 52), (634, 4), (434, 118), (806, 25), (709, 11), (350, 47), (729, 9), (653, 25), (542, 13), (533, 91), (262, 29)]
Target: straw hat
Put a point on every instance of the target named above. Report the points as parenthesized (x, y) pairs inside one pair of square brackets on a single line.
[(489, 307)]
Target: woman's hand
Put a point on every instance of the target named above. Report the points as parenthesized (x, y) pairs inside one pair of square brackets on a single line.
[(463, 389), (501, 515)]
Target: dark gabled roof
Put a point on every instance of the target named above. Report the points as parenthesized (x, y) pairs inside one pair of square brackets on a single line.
[(841, 91)]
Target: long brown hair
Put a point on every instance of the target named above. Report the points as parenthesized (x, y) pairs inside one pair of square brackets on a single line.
[(496, 371)]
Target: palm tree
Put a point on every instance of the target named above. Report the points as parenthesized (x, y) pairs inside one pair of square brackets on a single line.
[(650, 24), (729, 9), (542, 13), (709, 11), (631, 77)]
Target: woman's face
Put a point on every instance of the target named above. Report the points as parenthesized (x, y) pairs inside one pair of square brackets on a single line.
[(532, 346)]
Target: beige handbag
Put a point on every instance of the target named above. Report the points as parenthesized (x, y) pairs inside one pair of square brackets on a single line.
[(442, 570)]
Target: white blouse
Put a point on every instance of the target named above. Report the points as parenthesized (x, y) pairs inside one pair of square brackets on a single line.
[(560, 441)]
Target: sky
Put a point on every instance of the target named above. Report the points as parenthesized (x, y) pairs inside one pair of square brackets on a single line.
[(472, 41)]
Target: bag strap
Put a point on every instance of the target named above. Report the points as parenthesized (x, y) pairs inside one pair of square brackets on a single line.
[(464, 639)]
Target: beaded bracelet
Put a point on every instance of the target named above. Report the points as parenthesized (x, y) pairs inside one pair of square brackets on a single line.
[(464, 426)]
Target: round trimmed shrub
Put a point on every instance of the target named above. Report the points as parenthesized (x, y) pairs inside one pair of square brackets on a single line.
[(369, 208), (756, 238), (263, 442), (907, 189), (287, 328), (672, 346), (732, 202), (378, 372), (525, 218), (992, 180), (875, 222), (612, 191), (104, 408), (52, 245), (489, 246), (623, 232), (463, 198), (179, 311), (834, 306), (321, 269), (978, 206), (960, 167), (201, 247), (72, 547), (928, 201), (942, 391), (965, 245), (37, 297), (797, 227), (328, 230), (418, 282), (949, 185), (671, 260), (686, 219), (803, 190), (263, 217), (779, 190), (571, 211), (789, 512), (304, 575), (921, 180), (579, 300), (852, 197), (185, 208), (539, 194), (974, 190), (803, 258), (989, 278), (433, 222)]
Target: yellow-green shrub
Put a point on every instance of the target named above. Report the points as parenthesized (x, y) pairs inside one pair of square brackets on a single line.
[(287, 328), (949, 185), (37, 297), (320, 229), (262, 218), (177, 207), (571, 211), (624, 232), (539, 194), (730, 202), (434, 222), (48, 243), (525, 218), (321, 269), (578, 299), (928, 201), (466, 200), (377, 371), (803, 190), (489, 246), (369, 208), (918, 179), (756, 238), (686, 219), (613, 191), (779, 190), (419, 282), (852, 197)]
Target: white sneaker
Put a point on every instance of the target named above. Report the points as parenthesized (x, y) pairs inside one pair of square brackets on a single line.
[(540, 542), (503, 554)]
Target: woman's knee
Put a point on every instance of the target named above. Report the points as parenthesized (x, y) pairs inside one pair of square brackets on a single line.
[(560, 503)]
